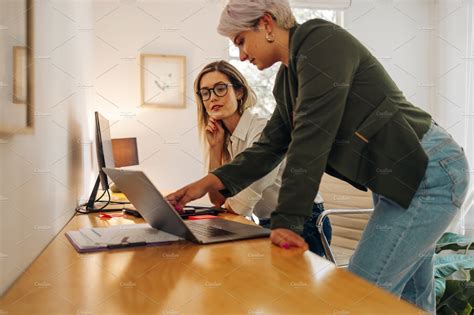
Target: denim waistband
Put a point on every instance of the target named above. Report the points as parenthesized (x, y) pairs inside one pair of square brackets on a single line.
[(435, 138)]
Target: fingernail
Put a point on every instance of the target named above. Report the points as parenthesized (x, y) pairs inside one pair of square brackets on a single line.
[(285, 245), (178, 208)]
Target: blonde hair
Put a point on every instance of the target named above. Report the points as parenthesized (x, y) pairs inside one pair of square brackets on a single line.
[(240, 15), (239, 83)]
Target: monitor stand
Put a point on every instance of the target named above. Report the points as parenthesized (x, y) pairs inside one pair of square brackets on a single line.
[(90, 206)]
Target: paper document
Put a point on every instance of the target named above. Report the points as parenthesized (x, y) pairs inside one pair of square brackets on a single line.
[(129, 235)]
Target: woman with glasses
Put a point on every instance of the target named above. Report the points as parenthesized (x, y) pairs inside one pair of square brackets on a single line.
[(338, 111), (227, 127)]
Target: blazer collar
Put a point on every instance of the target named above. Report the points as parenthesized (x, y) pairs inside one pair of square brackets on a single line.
[(292, 32)]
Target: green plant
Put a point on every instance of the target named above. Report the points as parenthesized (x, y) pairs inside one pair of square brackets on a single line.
[(454, 275)]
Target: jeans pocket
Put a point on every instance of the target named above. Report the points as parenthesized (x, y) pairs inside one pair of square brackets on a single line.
[(457, 169)]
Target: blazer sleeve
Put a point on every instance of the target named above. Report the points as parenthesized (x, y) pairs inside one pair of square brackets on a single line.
[(323, 64)]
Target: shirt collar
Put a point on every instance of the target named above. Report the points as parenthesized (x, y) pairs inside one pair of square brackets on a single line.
[(243, 126)]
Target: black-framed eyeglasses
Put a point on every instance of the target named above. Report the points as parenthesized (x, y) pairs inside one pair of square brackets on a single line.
[(219, 89)]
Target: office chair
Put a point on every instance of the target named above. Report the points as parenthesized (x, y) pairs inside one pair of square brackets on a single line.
[(349, 210)]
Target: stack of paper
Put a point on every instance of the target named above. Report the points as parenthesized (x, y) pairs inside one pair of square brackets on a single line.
[(120, 236)]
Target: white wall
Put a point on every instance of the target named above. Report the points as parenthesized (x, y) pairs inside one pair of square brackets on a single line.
[(393, 32), (469, 113), (86, 59), (454, 105), (424, 45), (42, 174), (12, 33), (167, 138)]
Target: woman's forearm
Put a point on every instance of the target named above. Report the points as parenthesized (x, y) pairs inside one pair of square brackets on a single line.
[(216, 198)]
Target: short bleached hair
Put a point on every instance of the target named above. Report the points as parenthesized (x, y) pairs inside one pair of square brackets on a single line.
[(243, 15)]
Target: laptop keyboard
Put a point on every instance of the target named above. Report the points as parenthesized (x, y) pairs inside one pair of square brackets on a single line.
[(207, 231)]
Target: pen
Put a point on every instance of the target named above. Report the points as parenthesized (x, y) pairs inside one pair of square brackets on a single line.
[(95, 232)]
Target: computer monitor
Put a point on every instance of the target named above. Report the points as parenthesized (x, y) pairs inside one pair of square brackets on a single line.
[(105, 157)]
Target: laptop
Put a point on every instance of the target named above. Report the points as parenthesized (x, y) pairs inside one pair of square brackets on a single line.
[(160, 214)]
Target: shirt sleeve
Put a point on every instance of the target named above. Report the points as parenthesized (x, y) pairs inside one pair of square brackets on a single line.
[(244, 201), (259, 159), (324, 64)]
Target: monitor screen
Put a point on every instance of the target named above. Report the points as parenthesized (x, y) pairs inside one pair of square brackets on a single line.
[(103, 140)]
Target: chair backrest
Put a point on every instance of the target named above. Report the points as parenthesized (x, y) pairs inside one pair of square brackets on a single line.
[(346, 228)]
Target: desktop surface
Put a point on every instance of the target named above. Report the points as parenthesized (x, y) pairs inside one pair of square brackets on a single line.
[(240, 277)]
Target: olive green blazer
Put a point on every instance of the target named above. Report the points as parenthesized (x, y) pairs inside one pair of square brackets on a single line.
[(338, 111)]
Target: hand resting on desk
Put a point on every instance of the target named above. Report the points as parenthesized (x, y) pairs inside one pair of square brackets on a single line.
[(286, 238)]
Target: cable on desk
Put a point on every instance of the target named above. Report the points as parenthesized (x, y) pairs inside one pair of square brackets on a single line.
[(119, 202), (82, 210)]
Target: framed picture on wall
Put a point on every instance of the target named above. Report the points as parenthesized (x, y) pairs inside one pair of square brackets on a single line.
[(19, 75), (162, 80), (17, 102)]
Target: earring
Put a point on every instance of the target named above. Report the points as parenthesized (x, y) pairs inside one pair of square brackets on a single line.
[(270, 37)]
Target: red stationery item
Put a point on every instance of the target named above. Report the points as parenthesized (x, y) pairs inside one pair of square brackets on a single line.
[(105, 216), (200, 217)]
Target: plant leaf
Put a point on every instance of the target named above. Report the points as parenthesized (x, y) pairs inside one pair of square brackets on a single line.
[(457, 298), (446, 265), (454, 241)]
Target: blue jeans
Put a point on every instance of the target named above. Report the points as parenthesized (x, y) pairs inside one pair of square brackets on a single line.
[(310, 232), (397, 247)]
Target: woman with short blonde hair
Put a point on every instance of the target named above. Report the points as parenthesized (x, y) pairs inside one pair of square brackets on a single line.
[(338, 111), (239, 16)]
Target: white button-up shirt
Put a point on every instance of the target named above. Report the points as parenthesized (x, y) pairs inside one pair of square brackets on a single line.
[(261, 197)]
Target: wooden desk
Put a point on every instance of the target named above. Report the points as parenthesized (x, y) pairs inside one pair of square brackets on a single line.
[(244, 277)]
